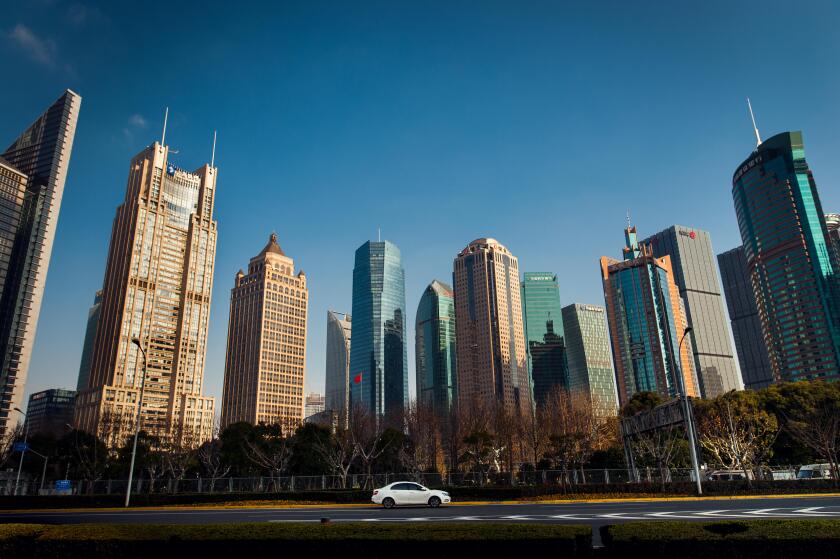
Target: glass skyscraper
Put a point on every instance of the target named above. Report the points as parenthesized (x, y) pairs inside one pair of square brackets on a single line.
[(435, 350), (588, 356), (337, 381), (792, 269), (646, 323), (746, 326), (33, 170), (90, 337), (543, 318), (695, 273), (378, 356)]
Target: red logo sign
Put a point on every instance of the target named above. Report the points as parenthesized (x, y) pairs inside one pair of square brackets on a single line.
[(358, 378), (692, 234)]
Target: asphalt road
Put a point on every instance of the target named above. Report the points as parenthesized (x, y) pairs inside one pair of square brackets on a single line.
[(595, 514)]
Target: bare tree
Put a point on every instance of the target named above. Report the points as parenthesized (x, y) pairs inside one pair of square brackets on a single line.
[(271, 450), (572, 427), (210, 457), (422, 452), (339, 451), (736, 431), (367, 438)]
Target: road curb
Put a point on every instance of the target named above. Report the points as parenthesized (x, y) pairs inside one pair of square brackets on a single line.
[(200, 508)]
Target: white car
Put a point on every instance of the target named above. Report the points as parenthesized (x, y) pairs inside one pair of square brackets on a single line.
[(408, 493)]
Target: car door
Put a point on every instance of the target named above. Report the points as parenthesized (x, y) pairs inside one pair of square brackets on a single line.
[(401, 493), (419, 495)]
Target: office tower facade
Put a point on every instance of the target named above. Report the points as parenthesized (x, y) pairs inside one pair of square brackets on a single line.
[(588, 355), (378, 354), (314, 404), (50, 411), (90, 337), (33, 170), (695, 273), (434, 349), (646, 323), (746, 326), (337, 381), (490, 335), (266, 346), (793, 271), (543, 319), (157, 287)]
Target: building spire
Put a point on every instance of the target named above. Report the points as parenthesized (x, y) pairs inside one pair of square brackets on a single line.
[(213, 156), (755, 128), (163, 136)]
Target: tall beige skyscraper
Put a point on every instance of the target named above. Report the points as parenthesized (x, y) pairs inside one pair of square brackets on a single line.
[(266, 348), (157, 288), (490, 336)]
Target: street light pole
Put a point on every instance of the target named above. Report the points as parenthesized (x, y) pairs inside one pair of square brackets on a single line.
[(689, 423), (22, 452), (136, 341)]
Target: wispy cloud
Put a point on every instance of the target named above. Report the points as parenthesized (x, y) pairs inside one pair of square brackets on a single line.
[(135, 122), (80, 15), (38, 49)]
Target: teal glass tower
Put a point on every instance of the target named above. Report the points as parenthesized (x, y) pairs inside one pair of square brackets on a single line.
[(434, 336), (543, 318), (647, 324), (378, 357), (792, 269)]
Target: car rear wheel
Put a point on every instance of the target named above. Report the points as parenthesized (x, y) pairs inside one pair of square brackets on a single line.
[(388, 503), (434, 502)]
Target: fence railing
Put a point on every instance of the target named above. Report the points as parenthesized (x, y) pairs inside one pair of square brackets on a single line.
[(569, 478)]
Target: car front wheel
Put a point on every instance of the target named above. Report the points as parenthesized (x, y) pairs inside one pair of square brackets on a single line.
[(434, 502), (388, 503)]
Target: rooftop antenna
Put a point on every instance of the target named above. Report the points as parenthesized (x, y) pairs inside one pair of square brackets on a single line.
[(379, 234), (165, 118), (213, 156), (628, 219), (755, 128)]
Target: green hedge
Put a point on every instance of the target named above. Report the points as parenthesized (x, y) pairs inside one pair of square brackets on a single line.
[(367, 540), (489, 493), (764, 539)]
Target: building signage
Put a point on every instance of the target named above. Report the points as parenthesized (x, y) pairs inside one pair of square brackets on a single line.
[(20, 447), (747, 166), (690, 234)]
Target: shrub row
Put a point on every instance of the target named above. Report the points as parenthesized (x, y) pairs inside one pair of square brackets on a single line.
[(490, 493), (764, 539), (27, 541)]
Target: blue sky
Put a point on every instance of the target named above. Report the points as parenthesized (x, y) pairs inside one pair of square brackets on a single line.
[(537, 123)]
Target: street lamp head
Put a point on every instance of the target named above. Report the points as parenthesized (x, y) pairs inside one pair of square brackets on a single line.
[(688, 329), (18, 410), (136, 341)]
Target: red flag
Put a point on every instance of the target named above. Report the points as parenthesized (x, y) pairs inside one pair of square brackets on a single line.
[(358, 378)]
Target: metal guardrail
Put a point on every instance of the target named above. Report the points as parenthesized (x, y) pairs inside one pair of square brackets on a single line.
[(569, 478)]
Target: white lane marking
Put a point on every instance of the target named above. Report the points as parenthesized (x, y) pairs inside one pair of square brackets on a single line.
[(675, 514), (760, 512), (570, 516), (466, 518), (622, 516), (809, 510), (517, 517)]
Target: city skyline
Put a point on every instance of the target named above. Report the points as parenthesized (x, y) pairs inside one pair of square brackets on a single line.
[(103, 146)]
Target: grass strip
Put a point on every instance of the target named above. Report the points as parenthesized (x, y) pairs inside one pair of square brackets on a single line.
[(760, 538), (371, 540)]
